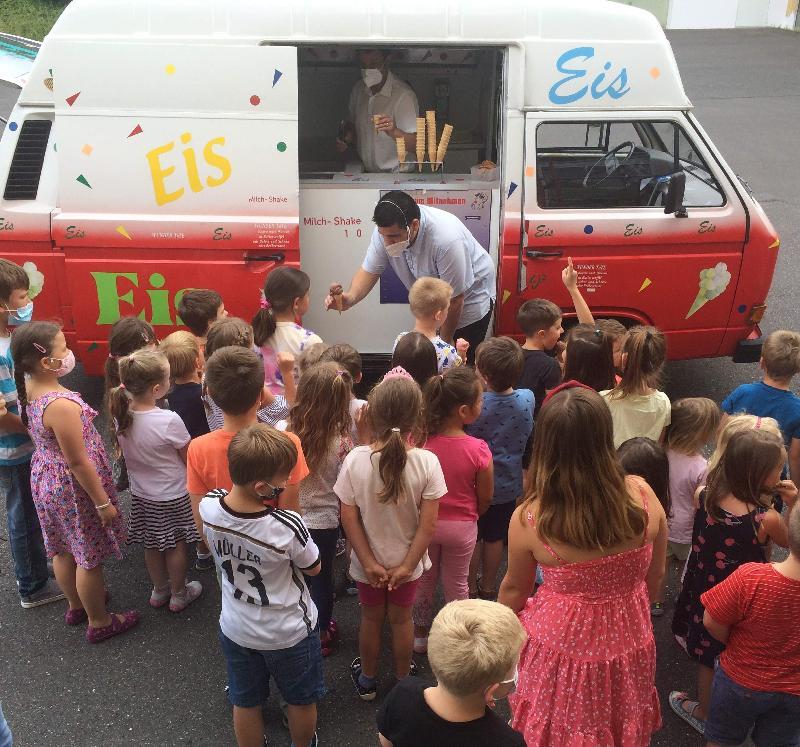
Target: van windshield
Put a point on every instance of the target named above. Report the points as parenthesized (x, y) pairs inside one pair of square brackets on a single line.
[(615, 164)]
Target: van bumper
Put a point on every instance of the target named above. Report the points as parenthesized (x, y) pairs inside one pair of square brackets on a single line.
[(749, 350)]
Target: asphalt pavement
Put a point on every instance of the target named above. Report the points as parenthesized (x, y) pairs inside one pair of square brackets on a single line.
[(163, 683)]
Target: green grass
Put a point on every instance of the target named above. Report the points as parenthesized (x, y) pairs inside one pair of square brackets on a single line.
[(30, 18)]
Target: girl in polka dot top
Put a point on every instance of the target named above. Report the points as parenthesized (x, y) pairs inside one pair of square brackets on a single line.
[(735, 524)]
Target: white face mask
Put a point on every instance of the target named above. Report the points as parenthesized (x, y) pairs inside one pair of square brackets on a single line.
[(371, 76), (396, 249)]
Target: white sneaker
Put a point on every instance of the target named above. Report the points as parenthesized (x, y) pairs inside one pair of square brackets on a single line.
[(180, 601)]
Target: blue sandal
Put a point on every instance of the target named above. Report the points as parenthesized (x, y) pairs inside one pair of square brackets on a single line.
[(677, 700)]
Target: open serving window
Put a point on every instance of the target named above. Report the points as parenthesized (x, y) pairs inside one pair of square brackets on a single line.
[(463, 85)]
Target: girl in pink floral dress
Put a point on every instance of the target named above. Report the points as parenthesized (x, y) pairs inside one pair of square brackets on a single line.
[(70, 480), (587, 671)]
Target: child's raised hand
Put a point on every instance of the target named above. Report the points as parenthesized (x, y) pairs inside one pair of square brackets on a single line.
[(362, 425), (569, 276), (462, 346), (108, 514), (285, 364)]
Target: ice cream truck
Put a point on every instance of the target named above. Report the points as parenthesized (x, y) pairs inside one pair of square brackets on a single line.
[(158, 147)]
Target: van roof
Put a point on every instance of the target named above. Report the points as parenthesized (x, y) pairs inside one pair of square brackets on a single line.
[(578, 54)]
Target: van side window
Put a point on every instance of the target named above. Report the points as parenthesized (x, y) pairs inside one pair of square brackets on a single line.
[(26, 165), (617, 164)]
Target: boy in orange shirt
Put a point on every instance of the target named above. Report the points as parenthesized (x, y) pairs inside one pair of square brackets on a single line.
[(235, 380)]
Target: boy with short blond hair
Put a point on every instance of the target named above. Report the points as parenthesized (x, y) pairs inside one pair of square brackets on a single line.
[(186, 395), (16, 450), (772, 396), (473, 650), (505, 423), (199, 308), (268, 622), (429, 300)]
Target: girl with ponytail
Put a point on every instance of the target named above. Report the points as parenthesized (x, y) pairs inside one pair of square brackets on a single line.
[(389, 492), (284, 301), (638, 408)]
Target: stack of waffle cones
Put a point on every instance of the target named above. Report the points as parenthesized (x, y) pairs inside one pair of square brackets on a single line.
[(420, 141), (435, 154), (447, 131), (430, 117), (401, 150)]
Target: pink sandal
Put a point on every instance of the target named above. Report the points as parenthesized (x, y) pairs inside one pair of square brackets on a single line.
[(78, 616), (130, 619)]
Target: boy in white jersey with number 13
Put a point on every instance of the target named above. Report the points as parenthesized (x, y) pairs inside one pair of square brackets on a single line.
[(268, 624)]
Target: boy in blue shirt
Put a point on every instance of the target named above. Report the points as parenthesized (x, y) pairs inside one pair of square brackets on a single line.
[(771, 397), (505, 423), (16, 450)]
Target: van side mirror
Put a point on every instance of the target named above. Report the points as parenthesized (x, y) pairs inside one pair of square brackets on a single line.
[(673, 201)]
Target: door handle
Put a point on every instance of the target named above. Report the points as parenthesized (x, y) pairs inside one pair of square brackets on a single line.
[(535, 253), (277, 257)]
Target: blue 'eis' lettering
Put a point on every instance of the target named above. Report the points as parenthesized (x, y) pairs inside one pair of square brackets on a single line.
[(560, 92)]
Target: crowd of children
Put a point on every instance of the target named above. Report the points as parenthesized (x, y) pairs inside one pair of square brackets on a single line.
[(248, 441)]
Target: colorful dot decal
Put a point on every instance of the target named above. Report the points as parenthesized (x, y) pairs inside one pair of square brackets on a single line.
[(276, 77), (122, 232), (87, 150), (281, 147), (255, 100), (135, 131), (775, 244), (71, 99), (654, 72), (91, 347), (741, 309), (645, 284), (83, 180), (588, 229), (512, 187), (506, 295), (169, 69), (12, 126), (48, 83), (529, 171)]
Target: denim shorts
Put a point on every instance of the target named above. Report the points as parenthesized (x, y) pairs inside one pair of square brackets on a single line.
[(297, 672), (773, 716)]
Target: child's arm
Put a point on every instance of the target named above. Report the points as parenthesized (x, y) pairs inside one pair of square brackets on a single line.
[(773, 524), (195, 499), (362, 425), (286, 367), (63, 416), (484, 487), (9, 422), (428, 513), (354, 529), (658, 562), (716, 629), (383, 741), (517, 584), (794, 459), (570, 278)]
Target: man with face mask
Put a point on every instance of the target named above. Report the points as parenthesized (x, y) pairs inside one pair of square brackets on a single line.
[(379, 93), (16, 449), (421, 241)]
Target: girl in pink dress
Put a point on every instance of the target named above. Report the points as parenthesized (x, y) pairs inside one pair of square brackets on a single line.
[(587, 671), (70, 480)]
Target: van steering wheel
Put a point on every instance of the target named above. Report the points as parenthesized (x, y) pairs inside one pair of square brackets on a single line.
[(605, 160)]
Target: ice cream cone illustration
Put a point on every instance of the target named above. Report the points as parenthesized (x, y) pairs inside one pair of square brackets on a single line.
[(447, 131), (713, 282), (401, 150), (420, 141), (430, 117)]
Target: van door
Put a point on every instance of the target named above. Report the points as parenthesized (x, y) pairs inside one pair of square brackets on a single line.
[(177, 169), (596, 192)]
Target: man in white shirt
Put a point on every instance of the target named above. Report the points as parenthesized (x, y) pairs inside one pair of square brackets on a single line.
[(420, 241), (381, 93)]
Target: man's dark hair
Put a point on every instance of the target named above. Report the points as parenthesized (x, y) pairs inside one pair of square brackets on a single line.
[(198, 308), (395, 208)]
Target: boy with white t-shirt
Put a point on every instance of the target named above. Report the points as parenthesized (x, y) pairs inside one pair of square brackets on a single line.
[(268, 623)]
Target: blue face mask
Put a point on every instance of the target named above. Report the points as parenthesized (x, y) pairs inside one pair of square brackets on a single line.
[(21, 315)]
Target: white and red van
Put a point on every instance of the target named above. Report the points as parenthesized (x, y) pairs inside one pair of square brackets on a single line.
[(159, 146)]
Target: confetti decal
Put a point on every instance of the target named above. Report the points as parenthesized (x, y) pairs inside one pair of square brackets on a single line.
[(281, 147), (741, 309), (83, 180), (12, 126), (169, 69), (48, 83), (529, 171), (276, 77), (506, 295), (713, 282), (91, 347), (775, 244), (71, 99), (87, 150), (255, 100), (122, 232), (512, 188), (645, 285), (588, 229), (654, 73), (135, 131)]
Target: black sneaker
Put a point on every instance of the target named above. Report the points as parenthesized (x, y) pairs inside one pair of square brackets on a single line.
[(365, 693), (47, 594), (350, 588), (204, 564)]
